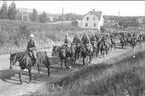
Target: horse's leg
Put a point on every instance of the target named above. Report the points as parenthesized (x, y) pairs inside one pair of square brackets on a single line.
[(61, 63), (97, 52), (20, 76), (38, 70), (115, 46), (30, 77), (75, 56), (83, 60), (90, 58), (65, 63)]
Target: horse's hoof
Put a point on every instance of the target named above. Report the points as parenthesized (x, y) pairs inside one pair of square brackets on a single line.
[(20, 83), (29, 82)]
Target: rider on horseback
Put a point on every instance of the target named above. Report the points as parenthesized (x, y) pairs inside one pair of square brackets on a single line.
[(67, 41), (31, 48), (93, 39), (76, 40), (85, 39), (86, 42)]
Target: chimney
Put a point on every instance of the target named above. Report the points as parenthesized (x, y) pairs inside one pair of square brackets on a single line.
[(93, 9)]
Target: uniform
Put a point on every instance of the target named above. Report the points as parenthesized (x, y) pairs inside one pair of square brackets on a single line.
[(31, 48), (93, 39), (85, 40), (67, 41), (76, 40)]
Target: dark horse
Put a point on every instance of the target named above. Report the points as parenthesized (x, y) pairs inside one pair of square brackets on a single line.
[(86, 51), (95, 48), (26, 62), (64, 53), (113, 44), (123, 42), (77, 51), (103, 47), (133, 42)]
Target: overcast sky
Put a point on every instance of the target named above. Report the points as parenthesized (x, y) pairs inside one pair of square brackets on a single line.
[(126, 8)]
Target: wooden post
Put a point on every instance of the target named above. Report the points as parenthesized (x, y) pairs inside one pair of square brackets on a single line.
[(118, 21), (62, 17)]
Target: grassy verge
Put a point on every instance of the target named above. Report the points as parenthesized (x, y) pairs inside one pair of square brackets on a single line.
[(124, 75)]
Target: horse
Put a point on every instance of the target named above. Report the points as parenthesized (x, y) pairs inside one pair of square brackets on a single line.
[(102, 48), (113, 44), (122, 42), (26, 62), (77, 51), (95, 48), (133, 42), (86, 51), (107, 47), (63, 53)]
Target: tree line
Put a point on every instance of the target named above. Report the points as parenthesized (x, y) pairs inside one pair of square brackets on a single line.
[(10, 12)]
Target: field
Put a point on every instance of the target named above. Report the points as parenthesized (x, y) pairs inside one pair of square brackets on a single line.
[(14, 34), (117, 76)]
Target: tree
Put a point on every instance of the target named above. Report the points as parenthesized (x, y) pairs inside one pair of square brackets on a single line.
[(43, 17), (3, 11), (34, 16), (102, 29), (12, 11)]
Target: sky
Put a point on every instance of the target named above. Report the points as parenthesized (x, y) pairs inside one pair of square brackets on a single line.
[(126, 8)]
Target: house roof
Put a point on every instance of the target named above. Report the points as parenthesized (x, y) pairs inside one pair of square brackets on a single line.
[(97, 13)]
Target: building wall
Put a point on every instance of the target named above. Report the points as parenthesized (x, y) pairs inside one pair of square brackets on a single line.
[(90, 22), (101, 22)]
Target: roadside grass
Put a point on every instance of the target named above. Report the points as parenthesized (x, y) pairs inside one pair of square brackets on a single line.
[(123, 76)]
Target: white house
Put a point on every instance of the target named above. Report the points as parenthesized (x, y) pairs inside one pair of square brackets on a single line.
[(93, 19)]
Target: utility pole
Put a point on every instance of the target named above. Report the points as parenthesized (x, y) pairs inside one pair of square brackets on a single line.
[(144, 17), (118, 20), (62, 17)]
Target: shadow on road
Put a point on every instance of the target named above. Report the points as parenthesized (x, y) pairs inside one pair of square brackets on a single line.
[(11, 75)]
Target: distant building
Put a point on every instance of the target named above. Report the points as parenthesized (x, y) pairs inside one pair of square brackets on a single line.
[(51, 18), (76, 23), (24, 14), (141, 22), (93, 19)]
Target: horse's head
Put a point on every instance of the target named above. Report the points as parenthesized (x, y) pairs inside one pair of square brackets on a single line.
[(55, 50), (13, 59), (83, 48)]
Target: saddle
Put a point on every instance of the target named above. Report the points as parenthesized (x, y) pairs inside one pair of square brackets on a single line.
[(31, 55)]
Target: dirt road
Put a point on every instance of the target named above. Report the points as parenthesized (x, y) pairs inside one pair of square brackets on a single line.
[(9, 81)]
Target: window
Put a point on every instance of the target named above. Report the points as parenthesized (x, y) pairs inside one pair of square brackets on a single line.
[(87, 18), (93, 18), (86, 24), (91, 13), (94, 24)]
